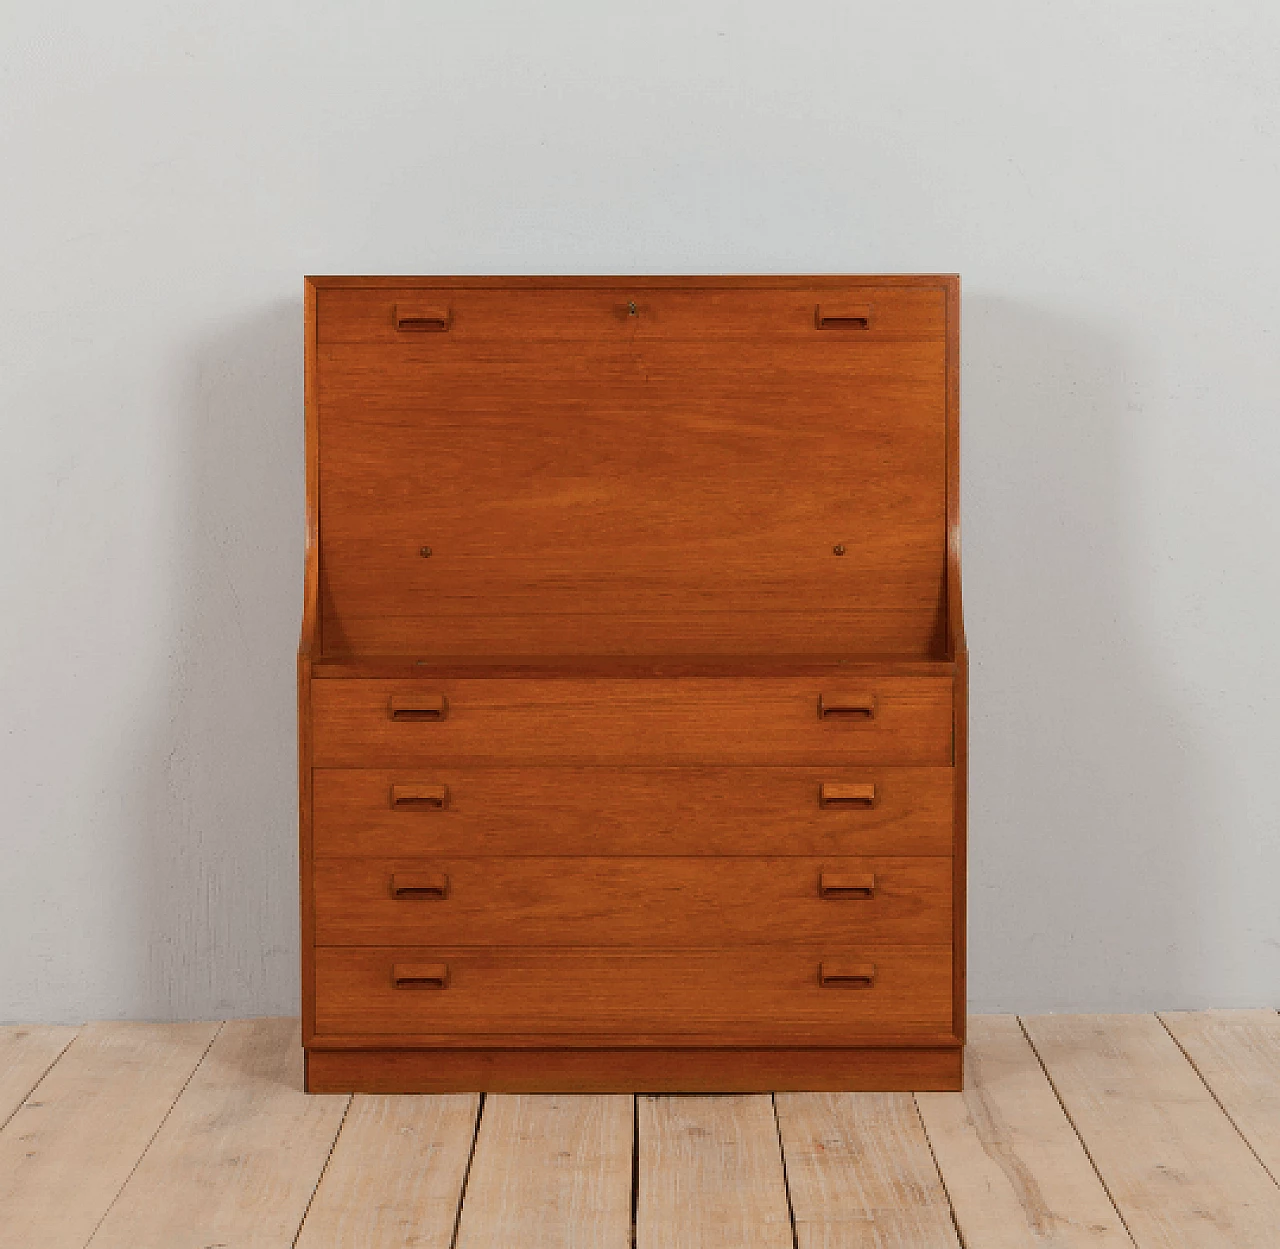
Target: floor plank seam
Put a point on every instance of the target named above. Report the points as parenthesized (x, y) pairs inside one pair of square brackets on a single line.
[(1217, 1100), (26, 1097), (466, 1174), (942, 1179), (328, 1158), (635, 1167), (133, 1170), (1102, 1179), (786, 1178)]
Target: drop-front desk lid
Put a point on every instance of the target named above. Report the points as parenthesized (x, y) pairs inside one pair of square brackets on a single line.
[(728, 468)]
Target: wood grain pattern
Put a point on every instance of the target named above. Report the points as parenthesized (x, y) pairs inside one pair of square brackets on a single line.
[(632, 537), (309, 647), (1179, 1173), (68, 1150), (709, 1173), (1015, 1170), (503, 665), (1237, 1053), (680, 309), (237, 1160), (738, 996), (551, 501), (685, 903), (548, 723), (650, 1069), (26, 1053), (551, 1172), (396, 1174), (632, 811), (861, 1174), (550, 421)]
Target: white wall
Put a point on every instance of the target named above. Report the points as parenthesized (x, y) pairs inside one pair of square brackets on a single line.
[(1105, 177)]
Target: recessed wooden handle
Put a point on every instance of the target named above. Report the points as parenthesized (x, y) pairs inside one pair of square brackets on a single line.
[(846, 707), (858, 794), (420, 975), (428, 885), (416, 318), (419, 797), (418, 706), (846, 885), (835, 317), (847, 975)]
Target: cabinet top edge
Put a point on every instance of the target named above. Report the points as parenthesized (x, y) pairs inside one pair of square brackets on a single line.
[(650, 281)]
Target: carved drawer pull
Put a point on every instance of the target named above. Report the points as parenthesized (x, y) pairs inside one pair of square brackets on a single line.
[(418, 707), (859, 794), (831, 317), (413, 317), (846, 706), (847, 975), (420, 975), (429, 885), (419, 797), (846, 885)]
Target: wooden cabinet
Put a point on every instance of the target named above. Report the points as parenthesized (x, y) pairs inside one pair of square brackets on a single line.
[(632, 684)]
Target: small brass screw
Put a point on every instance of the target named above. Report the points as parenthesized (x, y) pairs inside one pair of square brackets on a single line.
[(838, 548), (424, 551)]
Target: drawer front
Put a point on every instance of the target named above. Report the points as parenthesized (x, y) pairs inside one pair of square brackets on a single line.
[(393, 813), (888, 720), (437, 323), (632, 902), (451, 995)]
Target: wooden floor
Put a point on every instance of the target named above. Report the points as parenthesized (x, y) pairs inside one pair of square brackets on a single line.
[(1102, 1130)]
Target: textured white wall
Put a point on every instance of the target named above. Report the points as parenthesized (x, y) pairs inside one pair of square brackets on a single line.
[(1105, 177)]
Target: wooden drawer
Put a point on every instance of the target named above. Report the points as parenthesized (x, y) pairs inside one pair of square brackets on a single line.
[(653, 901), (443, 322), (766, 995), (631, 811), (791, 720)]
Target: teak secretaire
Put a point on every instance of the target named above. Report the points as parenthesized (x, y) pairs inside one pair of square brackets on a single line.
[(632, 685)]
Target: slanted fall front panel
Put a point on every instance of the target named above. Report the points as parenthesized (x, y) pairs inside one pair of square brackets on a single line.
[(592, 480)]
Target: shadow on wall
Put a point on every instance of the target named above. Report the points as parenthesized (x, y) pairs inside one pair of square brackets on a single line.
[(1086, 839), (218, 838)]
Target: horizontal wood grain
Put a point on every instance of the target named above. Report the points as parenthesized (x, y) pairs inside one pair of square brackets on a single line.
[(749, 721), (644, 635), (541, 494), (659, 281), (631, 811), (740, 996), (498, 665), (609, 1070), (605, 312), (686, 902), (633, 614)]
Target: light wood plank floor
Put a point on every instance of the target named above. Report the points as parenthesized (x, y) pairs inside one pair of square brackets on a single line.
[(1075, 1131)]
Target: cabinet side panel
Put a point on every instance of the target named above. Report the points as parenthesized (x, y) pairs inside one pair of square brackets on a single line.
[(309, 645)]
